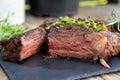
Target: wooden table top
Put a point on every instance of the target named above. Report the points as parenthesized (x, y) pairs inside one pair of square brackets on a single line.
[(94, 12)]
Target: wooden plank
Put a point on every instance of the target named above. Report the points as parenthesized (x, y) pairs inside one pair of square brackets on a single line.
[(33, 22), (94, 78), (118, 73), (112, 76), (3, 76)]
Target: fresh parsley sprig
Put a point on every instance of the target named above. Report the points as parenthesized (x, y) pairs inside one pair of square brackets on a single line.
[(8, 31)]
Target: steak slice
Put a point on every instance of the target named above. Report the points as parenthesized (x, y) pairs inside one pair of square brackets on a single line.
[(25, 45), (80, 42)]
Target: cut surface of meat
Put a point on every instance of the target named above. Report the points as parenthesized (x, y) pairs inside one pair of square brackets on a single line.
[(76, 41), (25, 45), (80, 42)]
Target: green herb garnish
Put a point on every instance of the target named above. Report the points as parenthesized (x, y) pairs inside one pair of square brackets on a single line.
[(90, 23), (113, 21), (8, 31)]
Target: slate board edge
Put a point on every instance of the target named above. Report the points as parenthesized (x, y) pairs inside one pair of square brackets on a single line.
[(70, 78), (93, 74), (4, 71)]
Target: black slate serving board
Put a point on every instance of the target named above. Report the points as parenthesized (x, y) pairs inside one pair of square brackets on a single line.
[(38, 68)]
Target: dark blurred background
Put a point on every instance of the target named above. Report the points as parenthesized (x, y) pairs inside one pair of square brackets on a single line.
[(67, 7), (86, 3)]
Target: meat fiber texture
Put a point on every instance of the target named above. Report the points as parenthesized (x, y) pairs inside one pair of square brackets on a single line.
[(83, 43), (25, 45)]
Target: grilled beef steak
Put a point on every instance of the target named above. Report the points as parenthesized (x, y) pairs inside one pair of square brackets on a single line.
[(83, 43), (25, 45), (65, 38)]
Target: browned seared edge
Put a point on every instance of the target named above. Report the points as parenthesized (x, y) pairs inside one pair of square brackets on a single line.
[(25, 45)]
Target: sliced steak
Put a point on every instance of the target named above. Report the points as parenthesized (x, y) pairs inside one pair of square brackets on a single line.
[(25, 45), (80, 42)]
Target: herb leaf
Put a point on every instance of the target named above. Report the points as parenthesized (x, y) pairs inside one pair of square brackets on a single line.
[(8, 31), (90, 23), (113, 21)]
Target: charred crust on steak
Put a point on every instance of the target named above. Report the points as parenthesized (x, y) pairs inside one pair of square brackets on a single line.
[(25, 45), (11, 47)]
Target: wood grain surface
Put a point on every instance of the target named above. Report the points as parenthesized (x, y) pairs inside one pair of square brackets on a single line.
[(94, 12)]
